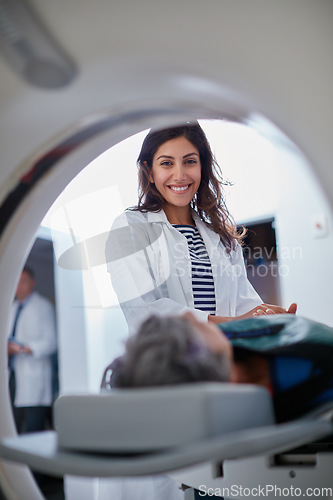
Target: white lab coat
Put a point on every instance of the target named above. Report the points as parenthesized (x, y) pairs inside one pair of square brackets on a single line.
[(150, 268), (33, 372)]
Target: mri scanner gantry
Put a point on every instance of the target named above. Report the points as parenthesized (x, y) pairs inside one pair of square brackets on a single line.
[(147, 64)]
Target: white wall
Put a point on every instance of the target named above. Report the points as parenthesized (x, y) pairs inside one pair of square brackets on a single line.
[(304, 226), (72, 340)]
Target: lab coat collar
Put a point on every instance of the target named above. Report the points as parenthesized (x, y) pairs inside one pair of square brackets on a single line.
[(205, 231), (158, 217), (26, 300)]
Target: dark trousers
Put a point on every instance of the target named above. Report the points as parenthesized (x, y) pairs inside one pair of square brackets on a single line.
[(28, 418), (31, 418)]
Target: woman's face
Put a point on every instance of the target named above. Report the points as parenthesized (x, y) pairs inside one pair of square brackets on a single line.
[(176, 171)]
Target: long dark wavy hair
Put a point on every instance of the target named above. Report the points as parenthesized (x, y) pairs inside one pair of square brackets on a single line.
[(209, 201)]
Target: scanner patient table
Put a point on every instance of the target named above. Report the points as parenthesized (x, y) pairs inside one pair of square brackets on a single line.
[(205, 433)]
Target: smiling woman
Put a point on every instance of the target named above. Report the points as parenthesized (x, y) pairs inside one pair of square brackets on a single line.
[(187, 142), (180, 249)]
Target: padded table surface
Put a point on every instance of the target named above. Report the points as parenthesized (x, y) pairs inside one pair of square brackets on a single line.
[(216, 435)]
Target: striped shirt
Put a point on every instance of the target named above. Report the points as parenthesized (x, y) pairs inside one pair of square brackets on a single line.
[(202, 277)]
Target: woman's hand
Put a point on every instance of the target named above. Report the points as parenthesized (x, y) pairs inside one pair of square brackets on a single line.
[(265, 309), (262, 310)]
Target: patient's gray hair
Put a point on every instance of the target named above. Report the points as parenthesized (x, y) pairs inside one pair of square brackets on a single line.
[(167, 351)]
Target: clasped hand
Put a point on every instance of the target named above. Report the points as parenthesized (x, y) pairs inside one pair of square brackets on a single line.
[(264, 309), (14, 348)]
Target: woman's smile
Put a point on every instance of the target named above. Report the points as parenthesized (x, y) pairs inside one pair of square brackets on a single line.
[(180, 189)]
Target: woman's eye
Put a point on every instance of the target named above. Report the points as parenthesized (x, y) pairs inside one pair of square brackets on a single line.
[(191, 162), (166, 163)]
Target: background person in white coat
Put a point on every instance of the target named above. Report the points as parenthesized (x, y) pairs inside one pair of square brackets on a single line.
[(179, 250), (31, 343)]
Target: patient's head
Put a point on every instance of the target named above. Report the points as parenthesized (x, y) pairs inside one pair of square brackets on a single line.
[(173, 350)]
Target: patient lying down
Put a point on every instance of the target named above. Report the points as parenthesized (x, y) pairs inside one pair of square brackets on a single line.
[(292, 357)]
